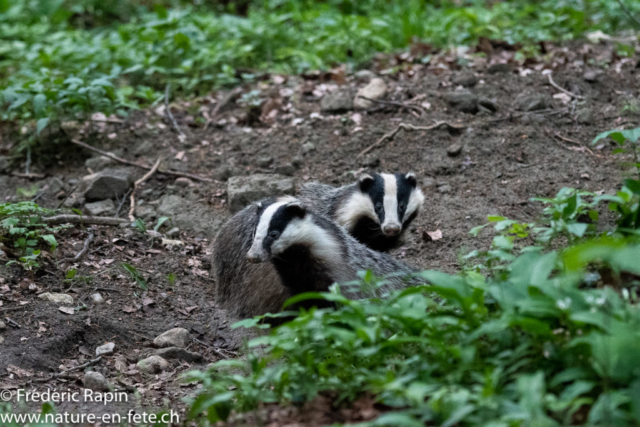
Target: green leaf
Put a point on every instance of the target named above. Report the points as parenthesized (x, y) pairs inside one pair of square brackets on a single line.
[(577, 228), (161, 221), (51, 240), (39, 104), (41, 124)]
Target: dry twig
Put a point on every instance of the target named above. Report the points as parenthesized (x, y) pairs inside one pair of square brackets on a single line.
[(81, 219), (231, 96), (67, 196), (124, 199), (217, 351), (406, 127), (127, 162), (61, 374), (12, 322), (419, 110), (561, 89), (181, 135), (138, 183), (80, 254)]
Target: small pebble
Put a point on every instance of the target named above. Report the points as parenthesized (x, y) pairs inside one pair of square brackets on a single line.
[(97, 298)]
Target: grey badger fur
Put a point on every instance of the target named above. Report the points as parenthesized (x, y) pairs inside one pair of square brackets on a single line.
[(376, 210), (256, 271)]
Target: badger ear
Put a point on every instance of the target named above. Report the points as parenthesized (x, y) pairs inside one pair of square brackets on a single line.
[(296, 209), (365, 181), (411, 179)]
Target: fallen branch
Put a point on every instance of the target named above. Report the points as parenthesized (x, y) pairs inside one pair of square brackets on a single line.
[(406, 127), (67, 196), (75, 368), (124, 199), (394, 103), (561, 89), (12, 322), (217, 351), (29, 175), (81, 219), (137, 184), (181, 135), (80, 254), (127, 162)]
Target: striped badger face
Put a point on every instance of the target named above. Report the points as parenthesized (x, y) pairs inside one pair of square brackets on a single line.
[(391, 201), (282, 224)]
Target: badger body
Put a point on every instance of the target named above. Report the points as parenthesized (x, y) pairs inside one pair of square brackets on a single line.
[(278, 248), (376, 210)]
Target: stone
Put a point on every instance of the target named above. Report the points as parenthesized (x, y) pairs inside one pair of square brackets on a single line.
[(242, 190), (152, 365), (179, 353), (98, 163), (465, 79), (364, 74), (183, 182), (146, 212), (108, 184), (499, 68), (95, 381), (376, 89), (103, 207), (489, 104), (585, 116), (307, 148), (189, 215), (463, 100), (370, 161), (176, 337), (174, 232), (57, 298), (454, 149), (592, 76), (2, 326), (227, 171), (97, 298), (532, 102), (264, 162), (444, 188), (339, 101), (286, 169), (297, 161), (55, 185), (145, 147), (105, 349)]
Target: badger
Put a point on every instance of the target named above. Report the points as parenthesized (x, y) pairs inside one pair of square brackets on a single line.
[(277, 248), (376, 210)]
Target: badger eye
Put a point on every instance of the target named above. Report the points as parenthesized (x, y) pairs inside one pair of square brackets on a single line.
[(378, 206), (274, 234)]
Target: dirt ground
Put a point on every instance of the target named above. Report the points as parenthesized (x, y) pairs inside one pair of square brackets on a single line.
[(493, 164)]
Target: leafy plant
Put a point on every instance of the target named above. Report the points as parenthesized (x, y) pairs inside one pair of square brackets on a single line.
[(135, 275), (628, 141)]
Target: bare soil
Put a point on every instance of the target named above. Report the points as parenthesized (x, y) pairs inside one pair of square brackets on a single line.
[(493, 165)]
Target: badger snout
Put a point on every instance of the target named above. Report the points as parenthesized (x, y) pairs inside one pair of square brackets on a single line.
[(256, 256), (391, 229)]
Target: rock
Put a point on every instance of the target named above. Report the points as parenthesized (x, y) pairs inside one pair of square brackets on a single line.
[(307, 148), (454, 149), (444, 188), (96, 164), (95, 381), (55, 185), (463, 100), (585, 116), (227, 171), (532, 102), (74, 201), (105, 349), (376, 89), (174, 232), (189, 215), (370, 162), (499, 68), (489, 104), (108, 184), (153, 365), (179, 353), (2, 326), (97, 298), (145, 148), (364, 74), (3, 255), (145, 212), (183, 182), (57, 298), (103, 207), (176, 337), (242, 190), (341, 100), (592, 76), (465, 79), (287, 169), (264, 162), (4, 164)]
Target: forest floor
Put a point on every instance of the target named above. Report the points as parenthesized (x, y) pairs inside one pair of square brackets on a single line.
[(528, 138)]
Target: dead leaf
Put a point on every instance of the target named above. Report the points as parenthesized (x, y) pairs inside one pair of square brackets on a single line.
[(190, 309), (432, 235), (147, 301), (180, 155), (13, 369), (121, 364), (129, 309), (67, 310), (563, 97)]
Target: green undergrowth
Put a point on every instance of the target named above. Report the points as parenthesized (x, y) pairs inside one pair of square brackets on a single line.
[(62, 60), (542, 329)]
